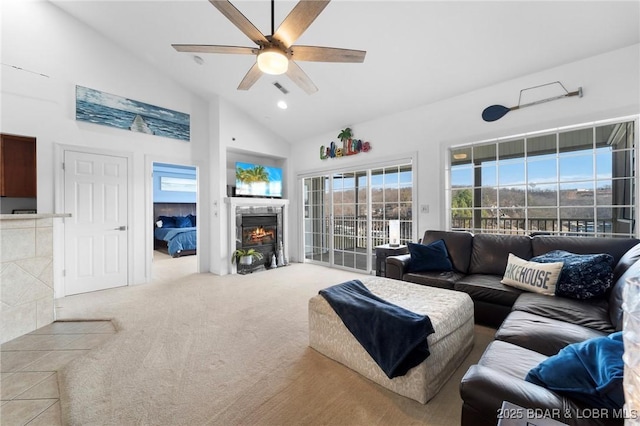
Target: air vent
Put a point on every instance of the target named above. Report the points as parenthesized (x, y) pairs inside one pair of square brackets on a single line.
[(280, 87)]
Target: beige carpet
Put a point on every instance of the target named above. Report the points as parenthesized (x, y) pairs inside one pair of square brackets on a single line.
[(204, 349)]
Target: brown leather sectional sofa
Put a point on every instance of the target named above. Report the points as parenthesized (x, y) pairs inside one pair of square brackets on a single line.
[(531, 326)]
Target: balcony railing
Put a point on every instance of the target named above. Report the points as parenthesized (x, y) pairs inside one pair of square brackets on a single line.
[(546, 225), (350, 232)]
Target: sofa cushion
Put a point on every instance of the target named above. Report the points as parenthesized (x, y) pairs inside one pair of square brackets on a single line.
[(434, 279), (616, 247), (458, 245), (543, 335), (429, 257), (532, 276), (488, 288), (583, 276), (589, 371), (593, 314), (521, 360), (491, 251)]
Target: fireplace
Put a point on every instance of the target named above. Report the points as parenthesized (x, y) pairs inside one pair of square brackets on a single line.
[(259, 224), (259, 228)]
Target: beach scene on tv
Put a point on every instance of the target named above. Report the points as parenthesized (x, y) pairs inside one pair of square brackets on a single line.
[(256, 180)]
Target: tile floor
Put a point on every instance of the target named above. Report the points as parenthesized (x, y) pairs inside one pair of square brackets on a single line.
[(28, 365)]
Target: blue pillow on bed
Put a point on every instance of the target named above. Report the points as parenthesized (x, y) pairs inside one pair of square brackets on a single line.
[(589, 371), (168, 221), (183, 222), (429, 257), (193, 219)]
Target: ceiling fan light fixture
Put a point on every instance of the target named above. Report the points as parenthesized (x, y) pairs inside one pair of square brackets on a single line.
[(272, 61)]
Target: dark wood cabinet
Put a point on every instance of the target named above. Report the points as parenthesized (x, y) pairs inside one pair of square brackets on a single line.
[(18, 173)]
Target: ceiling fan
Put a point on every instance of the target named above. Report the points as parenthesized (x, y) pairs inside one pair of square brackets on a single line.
[(276, 53)]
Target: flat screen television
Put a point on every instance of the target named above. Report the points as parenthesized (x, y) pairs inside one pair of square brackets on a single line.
[(256, 180)]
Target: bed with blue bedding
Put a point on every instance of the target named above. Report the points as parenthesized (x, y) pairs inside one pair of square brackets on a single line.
[(175, 234), (180, 241)]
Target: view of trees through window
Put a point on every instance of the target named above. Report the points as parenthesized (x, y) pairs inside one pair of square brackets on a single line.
[(578, 181), (349, 212)]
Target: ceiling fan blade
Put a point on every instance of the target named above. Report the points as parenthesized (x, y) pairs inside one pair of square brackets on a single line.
[(250, 78), (298, 20), (326, 54), (206, 48), (299, 77), (239, 20)]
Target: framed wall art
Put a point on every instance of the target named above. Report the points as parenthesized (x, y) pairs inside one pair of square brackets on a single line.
[(98, 107)]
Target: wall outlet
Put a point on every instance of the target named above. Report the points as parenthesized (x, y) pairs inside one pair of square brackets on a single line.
[(424, 208)]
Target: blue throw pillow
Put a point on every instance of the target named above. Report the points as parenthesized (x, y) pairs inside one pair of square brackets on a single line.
[(192, 218), (583, 276), (183, 222), (168, 221), (589, 371), (429, 257)]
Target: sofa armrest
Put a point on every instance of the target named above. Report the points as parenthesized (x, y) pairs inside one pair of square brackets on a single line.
[(397, 265), (483, 390)]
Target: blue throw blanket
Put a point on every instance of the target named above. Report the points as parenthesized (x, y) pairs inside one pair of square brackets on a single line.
[(589, 371), (395, 338)]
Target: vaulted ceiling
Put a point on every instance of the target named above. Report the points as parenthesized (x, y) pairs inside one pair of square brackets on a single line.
[(418, 52)]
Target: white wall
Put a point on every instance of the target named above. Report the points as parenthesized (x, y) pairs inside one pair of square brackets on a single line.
[(611, 89), (39, 38)]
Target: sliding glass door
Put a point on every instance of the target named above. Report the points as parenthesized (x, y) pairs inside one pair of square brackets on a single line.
[(346, 214), (350, 220), (317, 218)]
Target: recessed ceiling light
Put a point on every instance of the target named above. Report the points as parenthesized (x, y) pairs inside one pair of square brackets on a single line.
[(282, 105), (198, 60)]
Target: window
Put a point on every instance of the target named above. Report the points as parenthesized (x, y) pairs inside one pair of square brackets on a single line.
[(577, 181), (347, 213)]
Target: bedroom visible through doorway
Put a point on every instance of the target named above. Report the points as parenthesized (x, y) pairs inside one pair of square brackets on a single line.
[(174, 220)]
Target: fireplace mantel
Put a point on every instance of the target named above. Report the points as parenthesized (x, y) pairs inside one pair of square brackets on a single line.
[(235, 202), (250, 201)]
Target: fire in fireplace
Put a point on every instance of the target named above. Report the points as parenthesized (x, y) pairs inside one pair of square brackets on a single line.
[(260, 235)]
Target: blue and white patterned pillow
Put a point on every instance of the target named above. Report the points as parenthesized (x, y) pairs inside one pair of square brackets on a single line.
[(583, 276)]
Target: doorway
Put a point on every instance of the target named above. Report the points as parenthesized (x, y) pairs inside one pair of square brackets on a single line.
[(174, 220)]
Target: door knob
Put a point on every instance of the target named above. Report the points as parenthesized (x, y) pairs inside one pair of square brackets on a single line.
[(121, 228)]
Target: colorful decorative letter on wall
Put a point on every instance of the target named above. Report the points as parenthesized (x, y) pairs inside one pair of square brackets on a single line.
[(350, 146), (103, 108)]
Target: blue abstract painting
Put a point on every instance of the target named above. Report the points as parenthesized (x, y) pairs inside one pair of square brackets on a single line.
[(103, 108)]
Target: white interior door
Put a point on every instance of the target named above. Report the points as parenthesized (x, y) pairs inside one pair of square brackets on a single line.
[(95, 193)]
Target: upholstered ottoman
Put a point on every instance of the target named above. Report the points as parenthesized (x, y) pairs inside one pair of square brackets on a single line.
[(451, 314)]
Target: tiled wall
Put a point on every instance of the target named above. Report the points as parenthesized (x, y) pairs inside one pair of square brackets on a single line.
[(26, 276)]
